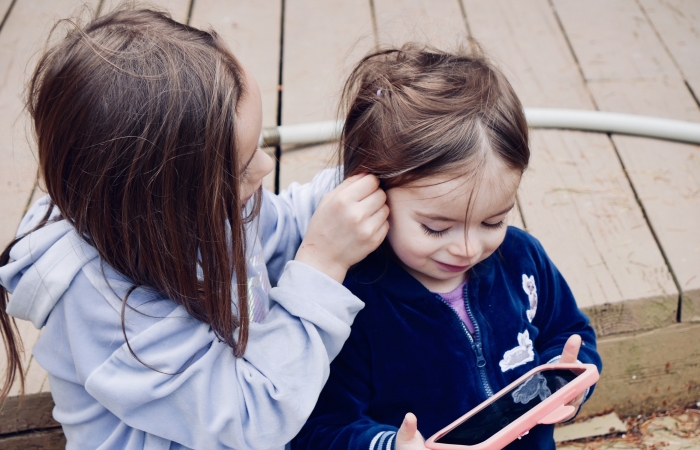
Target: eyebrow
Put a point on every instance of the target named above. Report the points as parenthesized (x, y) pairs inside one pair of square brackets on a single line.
[(451, 219)]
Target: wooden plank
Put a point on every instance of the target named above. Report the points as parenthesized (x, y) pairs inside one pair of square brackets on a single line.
[(648, 372), (613, 40), (23, 34), (436, 22), (34, 411), (525, 41), (37, 440), (4, 8), (178, 9), (678, 24), (574, 196), (323, 40), (666, 176), (252, 31)]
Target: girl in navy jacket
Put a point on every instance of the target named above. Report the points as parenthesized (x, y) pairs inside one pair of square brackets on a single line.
[(458, 305)]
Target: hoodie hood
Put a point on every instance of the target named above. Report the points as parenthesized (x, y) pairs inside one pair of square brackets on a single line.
[(43, 264)]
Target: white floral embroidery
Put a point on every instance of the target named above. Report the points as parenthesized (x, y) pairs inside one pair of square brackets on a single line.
[(535, 386), (519, 355), (531, 291)]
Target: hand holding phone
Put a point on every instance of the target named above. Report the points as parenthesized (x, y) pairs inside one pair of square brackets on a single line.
[(544, 395), (408, 437)]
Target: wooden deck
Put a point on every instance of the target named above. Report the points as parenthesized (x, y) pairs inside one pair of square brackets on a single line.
[(619, 215)]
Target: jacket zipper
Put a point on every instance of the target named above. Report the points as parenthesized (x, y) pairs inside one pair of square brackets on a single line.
[(475, 344)]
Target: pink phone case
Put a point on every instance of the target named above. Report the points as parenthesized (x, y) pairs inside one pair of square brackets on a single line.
[(552, 410)]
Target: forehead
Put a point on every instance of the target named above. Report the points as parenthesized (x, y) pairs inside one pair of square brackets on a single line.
[(490, 190)]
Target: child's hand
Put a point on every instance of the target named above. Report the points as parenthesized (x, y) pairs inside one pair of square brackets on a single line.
[(408, 437), (570, 355), (350, 222)]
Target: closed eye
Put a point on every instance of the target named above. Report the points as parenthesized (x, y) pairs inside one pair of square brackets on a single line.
[(494, 226), (435, 233)]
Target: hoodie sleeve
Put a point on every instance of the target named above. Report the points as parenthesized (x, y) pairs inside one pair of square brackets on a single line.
[(201, 396), (284, 219), (340, 419), (558, 317)]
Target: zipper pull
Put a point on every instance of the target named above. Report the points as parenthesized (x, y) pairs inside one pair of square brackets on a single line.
[(480, 361)]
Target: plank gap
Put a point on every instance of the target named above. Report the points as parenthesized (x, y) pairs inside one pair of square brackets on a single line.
[(7, 14), (649, 225), (375, 28), (692, 93), (189, 12), (573, 53), (280, 87), (464, 17)]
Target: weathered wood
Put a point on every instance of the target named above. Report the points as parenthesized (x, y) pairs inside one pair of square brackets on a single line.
[(678, 24), (22, 36), (178, 9), (436, 22), (323, 39), (31, 412), (575, 197), (4, 8), (52, 439), (322, 42), (662, 173), (665, 175), (613, 40), (252, 31), (647, 372)]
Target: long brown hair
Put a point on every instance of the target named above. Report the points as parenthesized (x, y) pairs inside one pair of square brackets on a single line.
[(134, 116), (416, 111)]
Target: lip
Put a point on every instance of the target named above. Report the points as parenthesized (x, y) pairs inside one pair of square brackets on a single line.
[(451, 268)]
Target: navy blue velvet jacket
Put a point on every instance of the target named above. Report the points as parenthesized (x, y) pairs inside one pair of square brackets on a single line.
[(409, 351)]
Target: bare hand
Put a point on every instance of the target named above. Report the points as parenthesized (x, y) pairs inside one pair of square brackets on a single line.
[(408, 437), (349, 223), (570, 355)]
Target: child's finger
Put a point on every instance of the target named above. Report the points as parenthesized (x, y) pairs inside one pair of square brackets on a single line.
[(357, 189), (373, 202), (408, 429), (571, 349)]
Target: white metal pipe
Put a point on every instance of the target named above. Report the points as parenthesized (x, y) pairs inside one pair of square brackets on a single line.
[(572, 119)]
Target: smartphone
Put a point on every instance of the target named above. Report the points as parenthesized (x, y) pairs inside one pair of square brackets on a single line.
[(538, 397)]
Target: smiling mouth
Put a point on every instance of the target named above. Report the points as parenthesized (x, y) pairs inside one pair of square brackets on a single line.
[(451, 268)]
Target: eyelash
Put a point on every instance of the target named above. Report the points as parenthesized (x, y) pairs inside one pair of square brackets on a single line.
[(439, 233), (431, 232)]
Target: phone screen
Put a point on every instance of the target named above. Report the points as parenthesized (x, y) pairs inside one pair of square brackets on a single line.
[(508, 407)]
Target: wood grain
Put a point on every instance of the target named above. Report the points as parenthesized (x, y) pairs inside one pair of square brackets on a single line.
[(648, 372), (665, 175), (31, 412), (613, 40), (52, 439), (436, 22), (252, 31), (178, 9), (323, 40), (21, 39), (677, 23), (575, 196)]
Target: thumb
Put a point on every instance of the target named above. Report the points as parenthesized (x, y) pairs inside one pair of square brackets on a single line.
[(408, 429), (571, 348)]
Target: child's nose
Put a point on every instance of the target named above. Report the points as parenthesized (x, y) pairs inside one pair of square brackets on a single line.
[(465, 247)]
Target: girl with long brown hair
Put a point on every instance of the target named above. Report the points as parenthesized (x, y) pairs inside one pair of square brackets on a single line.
[(148, 264), (458, 304)]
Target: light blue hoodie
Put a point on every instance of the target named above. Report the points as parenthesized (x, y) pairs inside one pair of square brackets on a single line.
[(200, 396)]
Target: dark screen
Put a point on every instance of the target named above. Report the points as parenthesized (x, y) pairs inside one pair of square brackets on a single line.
[(508, 407)]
